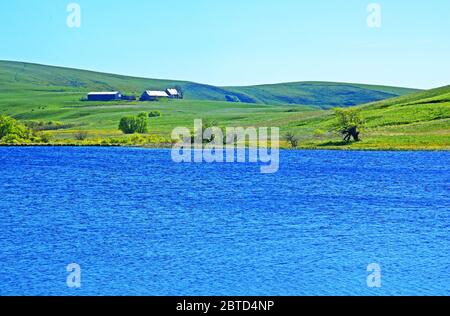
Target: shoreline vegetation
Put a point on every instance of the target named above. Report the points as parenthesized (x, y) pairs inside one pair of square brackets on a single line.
[(155, 142), (15, 133), (136, 131), (327, 140), (41, 106), (281, 148)]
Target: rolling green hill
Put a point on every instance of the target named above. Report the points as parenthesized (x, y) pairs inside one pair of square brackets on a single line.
[(320, 94), (17, 77), (34, 93), (416, 121)]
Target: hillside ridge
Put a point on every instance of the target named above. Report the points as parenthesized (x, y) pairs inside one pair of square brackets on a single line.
[(36, 77)]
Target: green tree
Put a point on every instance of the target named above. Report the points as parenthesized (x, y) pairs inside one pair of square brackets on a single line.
[(205, 126), (143, 122), (128, 124), (12, 130), (44, 137), (134, 124), (180, 92), (348, 124), (292, 139), (81, 135)]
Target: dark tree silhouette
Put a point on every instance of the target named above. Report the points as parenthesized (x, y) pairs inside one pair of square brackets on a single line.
[(180, 92), (291, 139), (348, 124)]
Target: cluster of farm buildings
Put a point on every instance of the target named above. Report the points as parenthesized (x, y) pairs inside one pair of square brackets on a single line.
[(148, 95)]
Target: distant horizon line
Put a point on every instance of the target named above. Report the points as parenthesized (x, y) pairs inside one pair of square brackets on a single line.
[(212, 85)]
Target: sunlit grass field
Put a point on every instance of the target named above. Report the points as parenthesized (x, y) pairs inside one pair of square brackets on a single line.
[(415, 121), (401, 126)]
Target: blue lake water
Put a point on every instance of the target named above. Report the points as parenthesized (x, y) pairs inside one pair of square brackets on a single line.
[(139, 224)]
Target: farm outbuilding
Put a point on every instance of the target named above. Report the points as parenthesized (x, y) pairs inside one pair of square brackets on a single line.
[(104, 96), (151, 95), (173, 93)]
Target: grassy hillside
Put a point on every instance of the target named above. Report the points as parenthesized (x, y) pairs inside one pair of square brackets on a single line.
[(17, 78), (320, 94), (419, 120)]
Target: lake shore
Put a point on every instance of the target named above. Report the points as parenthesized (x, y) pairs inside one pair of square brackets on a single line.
[(300, 148)]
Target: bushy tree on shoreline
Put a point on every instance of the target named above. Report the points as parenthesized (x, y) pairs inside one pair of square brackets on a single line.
[(348, 124), (12, 131), (292, 139)]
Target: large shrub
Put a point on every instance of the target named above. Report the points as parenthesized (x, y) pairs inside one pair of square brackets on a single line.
[(134, 124), (12, 131)]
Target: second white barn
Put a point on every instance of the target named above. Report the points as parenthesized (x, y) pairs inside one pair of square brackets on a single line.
[(173, 93), (153, 95)]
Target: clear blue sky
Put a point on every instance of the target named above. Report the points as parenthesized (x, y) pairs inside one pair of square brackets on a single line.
[(237, 42)]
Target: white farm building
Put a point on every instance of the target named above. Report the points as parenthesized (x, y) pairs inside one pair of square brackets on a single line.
[(153, 95)]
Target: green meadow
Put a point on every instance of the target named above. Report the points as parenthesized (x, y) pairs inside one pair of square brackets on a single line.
[(397, 119)]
